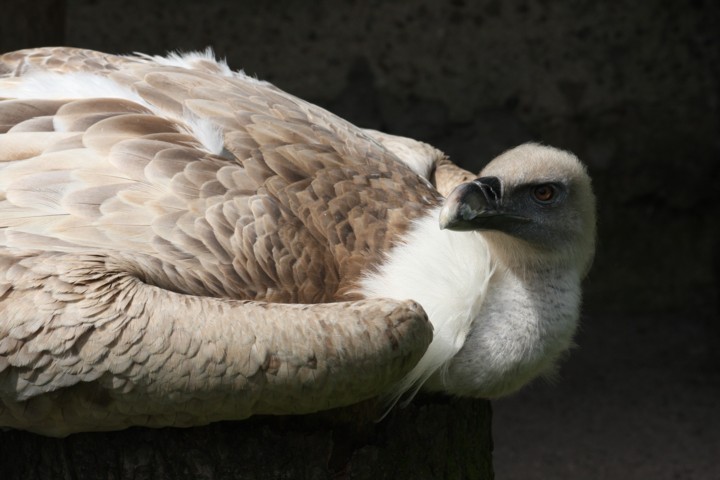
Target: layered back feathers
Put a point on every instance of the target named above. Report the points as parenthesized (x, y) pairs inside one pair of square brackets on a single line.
[(221, 183)]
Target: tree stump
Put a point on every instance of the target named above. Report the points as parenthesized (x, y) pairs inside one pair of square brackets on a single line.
[(432, 438)]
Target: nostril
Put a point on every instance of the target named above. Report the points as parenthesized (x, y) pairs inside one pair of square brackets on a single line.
[(490, 187)]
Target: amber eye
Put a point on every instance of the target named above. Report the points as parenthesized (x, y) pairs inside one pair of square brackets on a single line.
[(544, 193)]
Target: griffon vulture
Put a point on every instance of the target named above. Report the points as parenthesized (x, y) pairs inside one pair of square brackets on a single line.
[(181, 243)]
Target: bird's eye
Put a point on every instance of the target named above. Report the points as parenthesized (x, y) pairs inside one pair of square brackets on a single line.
[(544, 194)]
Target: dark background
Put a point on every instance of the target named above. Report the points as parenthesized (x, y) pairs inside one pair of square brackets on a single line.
[(633, 88)]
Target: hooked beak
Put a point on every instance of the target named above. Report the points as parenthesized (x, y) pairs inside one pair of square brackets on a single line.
[(477, 205)]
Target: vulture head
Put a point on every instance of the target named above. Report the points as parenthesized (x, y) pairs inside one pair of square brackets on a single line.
[(529, 199)]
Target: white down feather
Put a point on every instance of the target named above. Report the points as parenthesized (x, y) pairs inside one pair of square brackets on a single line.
[(447, 273)]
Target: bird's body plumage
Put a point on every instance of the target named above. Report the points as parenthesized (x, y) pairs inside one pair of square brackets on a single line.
[(181, 243), (211, 161)]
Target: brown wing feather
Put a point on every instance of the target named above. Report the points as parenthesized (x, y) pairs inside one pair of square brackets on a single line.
[(447, 176), (104, 199), (85, 345), (298, 176), (60, 59)]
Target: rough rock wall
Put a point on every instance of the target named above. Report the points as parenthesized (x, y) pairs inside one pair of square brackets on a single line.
[(631, 87), (31, 24)]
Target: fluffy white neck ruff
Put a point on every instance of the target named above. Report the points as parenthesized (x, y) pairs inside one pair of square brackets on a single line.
[(494, 330), (447, 273)]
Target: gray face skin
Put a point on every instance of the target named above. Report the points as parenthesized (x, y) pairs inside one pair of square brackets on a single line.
[(535, 212)]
